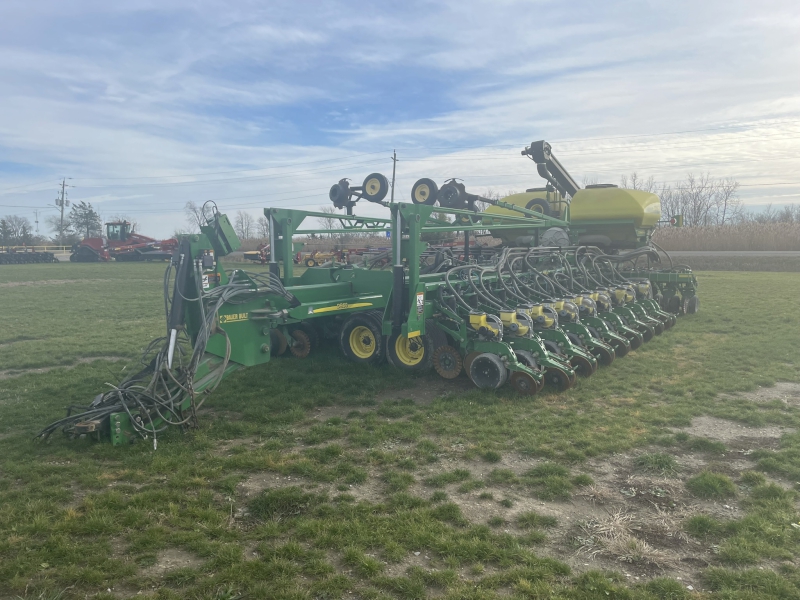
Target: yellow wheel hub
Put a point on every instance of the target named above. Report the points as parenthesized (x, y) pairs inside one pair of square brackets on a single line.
[(422, 193), (373, 186), (409, 351), (362, 341)]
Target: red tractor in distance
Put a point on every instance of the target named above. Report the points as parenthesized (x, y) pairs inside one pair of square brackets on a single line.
[(121, 243)]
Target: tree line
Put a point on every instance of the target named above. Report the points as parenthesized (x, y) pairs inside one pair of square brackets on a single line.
[(81, 221)]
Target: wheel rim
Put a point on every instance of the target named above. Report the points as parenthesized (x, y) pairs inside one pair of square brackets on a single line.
[(362, 341), (409, 351), (422, 193), (373, 186)]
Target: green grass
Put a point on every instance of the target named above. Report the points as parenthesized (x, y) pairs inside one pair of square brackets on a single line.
[(711, 485), (266, 500)]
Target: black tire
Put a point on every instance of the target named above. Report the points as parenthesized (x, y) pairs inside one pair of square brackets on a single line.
[(376, 186), (424, 191), (410, 354), (576, 339), (582, 366), (539, 205), (527, 359), (551, 346), (360, 340), (691, 305), (673, 304), (487, 371), (310, 262)]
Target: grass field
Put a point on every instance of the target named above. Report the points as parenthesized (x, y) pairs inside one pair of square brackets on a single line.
[(676, 467)]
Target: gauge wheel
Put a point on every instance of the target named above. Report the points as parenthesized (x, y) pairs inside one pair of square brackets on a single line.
[(410, 354), (360, 340), (447, 362), (278, 343), (527, 359), (424, 191), (487, 371), (376, 186), (302, 344), (468, 361), (558, 378), (525, 384), (621, 348), (605, 356)]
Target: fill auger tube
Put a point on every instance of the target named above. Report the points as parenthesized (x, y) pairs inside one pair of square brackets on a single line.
[(523, 314)]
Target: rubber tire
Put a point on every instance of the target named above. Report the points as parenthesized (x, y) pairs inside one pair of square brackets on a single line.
[(673, 305), (423, 365), (691, 305), (605, 357), (552, 347), (541, 204), (310, 262), (375, 195), (361, 320), (487, 371), (527, 359), (621, 349), (582, 366), (429, 196)]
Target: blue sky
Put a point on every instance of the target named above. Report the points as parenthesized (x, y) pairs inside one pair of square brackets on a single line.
[(149, 104)]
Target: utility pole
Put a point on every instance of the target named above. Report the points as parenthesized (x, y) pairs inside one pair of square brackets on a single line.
[(36, 216), (62, 201), (394, 168)]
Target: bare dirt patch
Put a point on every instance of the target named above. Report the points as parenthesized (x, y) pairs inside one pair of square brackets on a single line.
[(171, 559), (788, 393), (728, 431)]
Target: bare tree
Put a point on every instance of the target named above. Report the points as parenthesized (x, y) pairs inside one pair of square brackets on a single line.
[(194, 216), (15, 230), (262, 227), (634, 182), (244, 225), (63, 232)]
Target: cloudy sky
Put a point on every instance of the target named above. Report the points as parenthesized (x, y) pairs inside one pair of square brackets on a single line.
[(147, 104)]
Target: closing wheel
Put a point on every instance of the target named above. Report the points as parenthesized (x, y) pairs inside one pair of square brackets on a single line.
[(558, 379), (524, 383), (409, 354), (312, 333), (691, 305), (447, 362), (277, 341), (487, 371), (582, 365), (302, 344), (424, 192), (376, 186), (360, 340)]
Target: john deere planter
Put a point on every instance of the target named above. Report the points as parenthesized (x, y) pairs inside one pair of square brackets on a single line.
[(525, 314)]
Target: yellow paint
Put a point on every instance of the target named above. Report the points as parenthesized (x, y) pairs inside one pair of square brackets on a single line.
[(342, 306), (233, 318)]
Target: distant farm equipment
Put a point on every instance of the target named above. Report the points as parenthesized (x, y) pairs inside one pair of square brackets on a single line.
[(122, 243), (24, 255)]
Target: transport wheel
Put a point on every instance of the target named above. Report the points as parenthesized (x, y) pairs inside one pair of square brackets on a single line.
[(310, 262), (539, 205), (424, 192), (487, 371), (582, 366), (691, 305), (558, 379), (605, 356), (524, 383), (376, 186), (278, 343), (409, 354), (360, 340), (447, 362), (302, 344)]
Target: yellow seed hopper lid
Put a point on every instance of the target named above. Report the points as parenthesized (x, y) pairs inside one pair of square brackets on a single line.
[(616, 204)]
